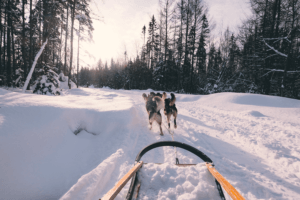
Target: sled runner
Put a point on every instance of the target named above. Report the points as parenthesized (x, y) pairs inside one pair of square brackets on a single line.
[(135, 184)]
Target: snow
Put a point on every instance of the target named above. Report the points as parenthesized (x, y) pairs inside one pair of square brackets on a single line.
[(64, 82), (252, 139), (174, 182)]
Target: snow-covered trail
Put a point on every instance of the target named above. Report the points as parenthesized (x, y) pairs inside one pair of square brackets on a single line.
[(252, 139), (258, 153)]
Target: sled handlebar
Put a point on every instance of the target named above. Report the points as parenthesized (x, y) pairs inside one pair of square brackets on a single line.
[(187, 147)]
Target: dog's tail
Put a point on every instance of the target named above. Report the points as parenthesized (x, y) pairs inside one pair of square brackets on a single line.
[(145, 97), (160, 103), (173, 99)]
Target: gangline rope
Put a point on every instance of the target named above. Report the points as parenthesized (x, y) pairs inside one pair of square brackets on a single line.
[(172, 135)]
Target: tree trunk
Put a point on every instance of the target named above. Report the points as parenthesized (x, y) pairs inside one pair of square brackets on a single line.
[(30, 40), (66, 40), (180, 43), (23, 39), (160, 36), (187, 31), (9, 24), (264, 21), (53, 53), (1, 68), (78, 56), (71, 56), (31, 33), (166, 38), (60, 47), (186, 72), (195, 24), (4, 40), (40, 32), (273, 18), (278, 18), (47, 13), (13, 50)]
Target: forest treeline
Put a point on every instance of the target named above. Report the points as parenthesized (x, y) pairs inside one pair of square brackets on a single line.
[(25, 25), (178, 54)]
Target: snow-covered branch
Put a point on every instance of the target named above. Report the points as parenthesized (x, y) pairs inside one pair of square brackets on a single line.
[(278, 39), (270, 56), (278, 70), (276, 51), (33, 66)]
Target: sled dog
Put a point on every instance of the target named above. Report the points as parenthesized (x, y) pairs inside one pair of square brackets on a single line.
[(154, 103), (170, 108)]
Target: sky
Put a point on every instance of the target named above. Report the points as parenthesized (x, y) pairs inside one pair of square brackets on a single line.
[(122, 20)]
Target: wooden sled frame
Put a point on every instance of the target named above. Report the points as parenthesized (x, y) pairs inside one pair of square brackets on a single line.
[(134, 186)]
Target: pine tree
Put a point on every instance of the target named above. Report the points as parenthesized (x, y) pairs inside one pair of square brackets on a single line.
[(48, 82), (201, 51), (233, 55), (153, 41)]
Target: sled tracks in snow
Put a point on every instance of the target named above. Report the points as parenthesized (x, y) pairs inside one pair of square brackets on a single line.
[(135, 185)]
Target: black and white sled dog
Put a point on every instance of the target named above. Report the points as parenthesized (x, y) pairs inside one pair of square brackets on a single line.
[(154, 103), (170, 108)]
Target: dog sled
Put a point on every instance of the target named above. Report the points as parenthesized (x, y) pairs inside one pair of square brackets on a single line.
[(135, 185)]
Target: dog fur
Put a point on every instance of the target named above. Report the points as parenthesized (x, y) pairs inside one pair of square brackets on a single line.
[(170, 108), (154, 103)]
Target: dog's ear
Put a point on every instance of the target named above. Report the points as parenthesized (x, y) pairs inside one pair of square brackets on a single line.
[(164, 96), (173, 99), (145, 97)]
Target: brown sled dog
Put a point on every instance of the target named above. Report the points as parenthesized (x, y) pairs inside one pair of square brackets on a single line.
[(154, 103), (170, 109)]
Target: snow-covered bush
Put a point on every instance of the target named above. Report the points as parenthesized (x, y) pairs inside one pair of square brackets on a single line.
[(47, 83), (62, 77)]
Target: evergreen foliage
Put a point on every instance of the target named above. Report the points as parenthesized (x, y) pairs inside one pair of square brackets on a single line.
[(47, 82)]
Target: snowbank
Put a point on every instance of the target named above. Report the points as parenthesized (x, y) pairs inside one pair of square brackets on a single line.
[(91, 185), (41, 158)]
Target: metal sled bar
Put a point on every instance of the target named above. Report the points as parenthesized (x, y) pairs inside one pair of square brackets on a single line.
[(189, 148), (110, 195), (178, 165), (233, 193)]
